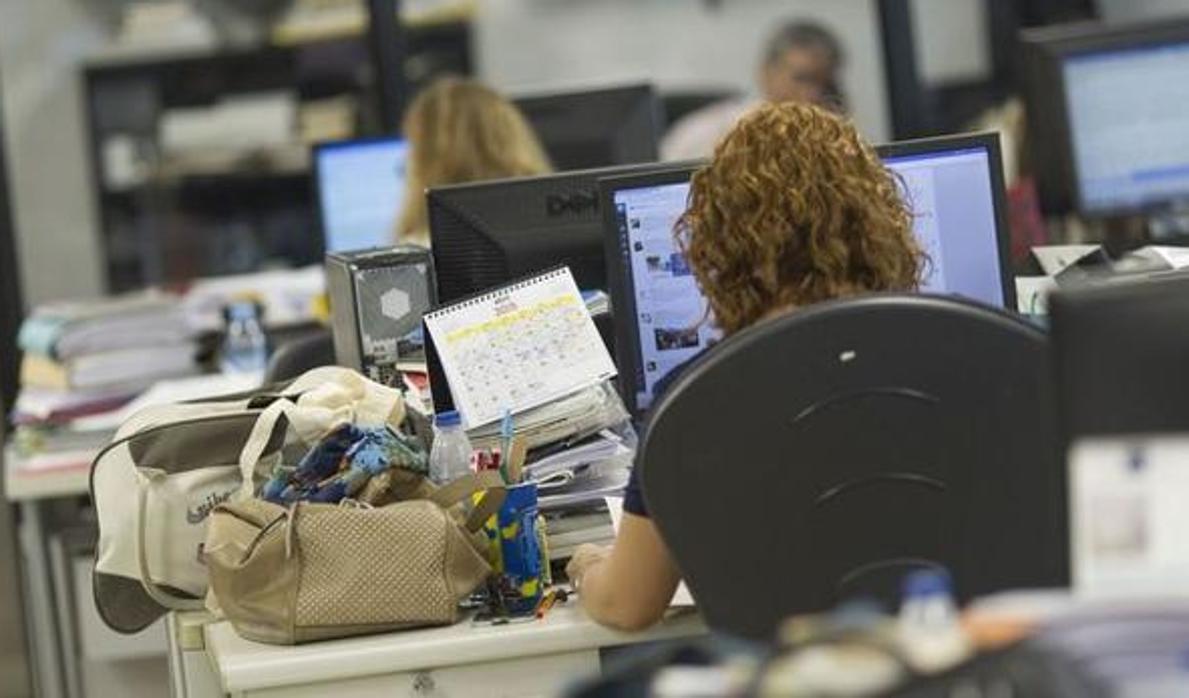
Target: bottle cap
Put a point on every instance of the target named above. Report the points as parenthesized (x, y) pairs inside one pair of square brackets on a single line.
[(449, 418), (930, 582)]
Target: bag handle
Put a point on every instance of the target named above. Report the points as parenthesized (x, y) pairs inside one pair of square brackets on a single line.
[(488, 482), (273, 419), (158, 594)]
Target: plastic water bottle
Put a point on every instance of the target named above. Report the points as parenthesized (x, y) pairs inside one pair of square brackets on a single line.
[(450, 457), (928, 627), (245, 348)]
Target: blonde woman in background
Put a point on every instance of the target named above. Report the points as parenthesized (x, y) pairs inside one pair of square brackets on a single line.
[(462, 131)]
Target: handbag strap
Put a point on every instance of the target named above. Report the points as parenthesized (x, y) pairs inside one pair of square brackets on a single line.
[(272, 419), (157, 593), (488, 482)]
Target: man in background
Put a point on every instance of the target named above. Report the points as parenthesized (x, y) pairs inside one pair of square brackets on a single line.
[(801, 62)]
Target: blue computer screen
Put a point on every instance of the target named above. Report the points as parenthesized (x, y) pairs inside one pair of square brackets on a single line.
[(361, 185), (952, 199), (1129, 126)]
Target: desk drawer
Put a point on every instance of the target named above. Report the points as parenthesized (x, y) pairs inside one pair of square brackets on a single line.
[(544, 676)]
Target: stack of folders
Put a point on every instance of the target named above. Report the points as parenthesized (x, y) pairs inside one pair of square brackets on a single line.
[(87, 359)]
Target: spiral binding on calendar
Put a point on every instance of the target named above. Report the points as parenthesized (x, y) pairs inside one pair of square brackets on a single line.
[(512, 287)]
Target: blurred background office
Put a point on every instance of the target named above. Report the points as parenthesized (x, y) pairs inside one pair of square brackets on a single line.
[(161, 142)]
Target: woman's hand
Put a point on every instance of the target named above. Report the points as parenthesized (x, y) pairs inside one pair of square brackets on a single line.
[(585, 557)]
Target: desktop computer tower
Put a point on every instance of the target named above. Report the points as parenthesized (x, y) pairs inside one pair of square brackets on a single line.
[(377, 298)]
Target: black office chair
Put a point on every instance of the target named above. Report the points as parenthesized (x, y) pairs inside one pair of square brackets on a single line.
[(822, 456), (296, 356)]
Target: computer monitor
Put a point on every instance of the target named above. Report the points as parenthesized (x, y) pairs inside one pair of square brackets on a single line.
[(596, 128), (488, 233), (360, 186), (1119, 353), (955, 188), (1109, 116)]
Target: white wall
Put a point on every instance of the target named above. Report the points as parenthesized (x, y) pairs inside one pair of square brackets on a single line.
[(41, 42), (552, 44)]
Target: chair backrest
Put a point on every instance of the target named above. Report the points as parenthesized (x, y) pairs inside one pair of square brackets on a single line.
[(822, 455), (297, 356)]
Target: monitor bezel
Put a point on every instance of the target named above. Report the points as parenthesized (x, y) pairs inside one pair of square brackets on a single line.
[(1049, 93), (990, 142), (316, 152)]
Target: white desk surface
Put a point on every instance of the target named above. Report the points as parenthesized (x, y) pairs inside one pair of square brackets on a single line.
[(20, 484), (243, 665)]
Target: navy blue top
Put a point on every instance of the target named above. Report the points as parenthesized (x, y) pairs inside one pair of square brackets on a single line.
[(633, 496)]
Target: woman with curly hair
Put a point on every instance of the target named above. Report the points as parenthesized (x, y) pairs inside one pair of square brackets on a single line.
[(795, 208)]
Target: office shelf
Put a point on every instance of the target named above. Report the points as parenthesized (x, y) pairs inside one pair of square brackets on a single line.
[(166, 213)]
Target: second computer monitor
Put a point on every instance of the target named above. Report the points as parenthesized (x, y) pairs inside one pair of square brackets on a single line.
[(596, 128), (1108, 116), (488, 233), (953, 185), (361, 186)]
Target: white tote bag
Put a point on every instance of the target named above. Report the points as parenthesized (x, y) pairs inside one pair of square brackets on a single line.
[(168, 467)]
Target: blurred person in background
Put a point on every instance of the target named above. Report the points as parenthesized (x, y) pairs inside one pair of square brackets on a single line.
[(462, 131), (801, 62)]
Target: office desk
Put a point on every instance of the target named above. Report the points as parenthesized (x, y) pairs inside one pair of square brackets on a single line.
[(537, 658), (31, 491)]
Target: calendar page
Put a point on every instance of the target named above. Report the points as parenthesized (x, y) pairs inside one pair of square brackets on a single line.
[(518, 347)]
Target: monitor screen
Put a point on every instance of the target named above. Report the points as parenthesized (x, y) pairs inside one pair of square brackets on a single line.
[(661, 314), (669, 316), (360, 188), (1129, 126), (951, 194)]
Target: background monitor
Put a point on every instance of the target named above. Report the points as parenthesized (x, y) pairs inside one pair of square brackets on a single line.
[(955, 186), (488, 233), (360, 185), (597, 128), (1119, 354), (1109, 116)]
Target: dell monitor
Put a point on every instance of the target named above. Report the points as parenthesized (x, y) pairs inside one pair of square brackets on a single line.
[(596, 128), (1109, 116), (954, 187), (488, 233), (360, 185)]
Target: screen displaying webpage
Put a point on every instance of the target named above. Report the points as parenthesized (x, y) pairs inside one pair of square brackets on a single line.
[(952, 200), (1130, 126), (950, 195), (671, 316), (360, 187)]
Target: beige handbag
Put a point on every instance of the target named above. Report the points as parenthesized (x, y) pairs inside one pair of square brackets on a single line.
[(320, 571)]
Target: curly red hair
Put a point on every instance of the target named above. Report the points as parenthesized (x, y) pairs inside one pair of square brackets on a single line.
[(795, 208)]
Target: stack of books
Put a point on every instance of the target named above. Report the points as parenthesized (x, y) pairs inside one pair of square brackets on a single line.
[(87, 359)]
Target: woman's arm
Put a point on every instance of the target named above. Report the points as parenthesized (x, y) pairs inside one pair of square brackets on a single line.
[(630, 585)]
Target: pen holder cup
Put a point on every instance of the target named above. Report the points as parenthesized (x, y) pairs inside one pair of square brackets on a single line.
[(516, 546)]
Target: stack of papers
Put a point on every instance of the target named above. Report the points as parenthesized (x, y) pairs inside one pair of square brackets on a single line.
[(71, 329), (87, 359), (564, 421), (603, 447), (106, 347)]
